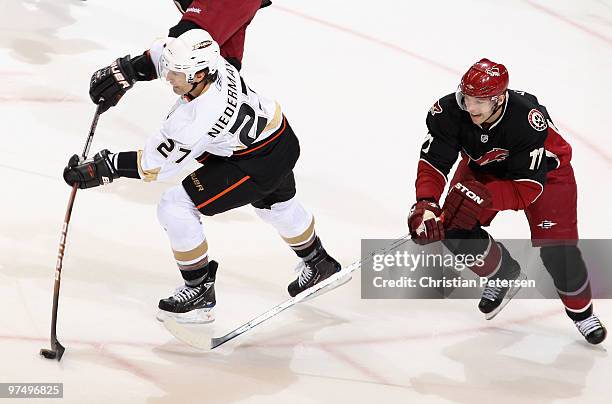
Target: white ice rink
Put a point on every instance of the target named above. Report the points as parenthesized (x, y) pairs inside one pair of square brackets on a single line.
[(356, 79)]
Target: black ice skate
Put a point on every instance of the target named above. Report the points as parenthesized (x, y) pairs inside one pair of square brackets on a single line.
[(495, 298), (315, 270), (592, 329), (192, 304)]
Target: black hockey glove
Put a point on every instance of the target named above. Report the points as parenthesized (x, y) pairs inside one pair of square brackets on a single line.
[(108, 84), (265, 3), (92, 172)]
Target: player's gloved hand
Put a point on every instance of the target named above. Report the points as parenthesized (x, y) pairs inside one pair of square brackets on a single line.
[(265, 3), (425, 223), (464, 204), (108, 84), (92, 172)]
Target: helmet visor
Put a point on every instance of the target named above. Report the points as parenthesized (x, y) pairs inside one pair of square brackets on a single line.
[(463, 99), (164, 68)]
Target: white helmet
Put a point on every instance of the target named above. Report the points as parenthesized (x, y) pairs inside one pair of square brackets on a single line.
[(191, 52)]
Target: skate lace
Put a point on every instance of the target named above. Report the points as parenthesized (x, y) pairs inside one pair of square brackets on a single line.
[(184, 293), (305, 273), (589, 325), (491, 293)]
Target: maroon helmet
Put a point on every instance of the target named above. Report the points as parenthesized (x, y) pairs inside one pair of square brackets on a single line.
[(485, 79)]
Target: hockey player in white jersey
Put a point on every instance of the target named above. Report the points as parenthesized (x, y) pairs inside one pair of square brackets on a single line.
[(247, 150)]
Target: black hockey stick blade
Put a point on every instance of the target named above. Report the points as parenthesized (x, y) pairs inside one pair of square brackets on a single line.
[(56, 352)]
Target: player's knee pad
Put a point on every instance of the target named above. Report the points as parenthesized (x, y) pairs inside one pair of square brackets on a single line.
[(461, 241), (566, 266), (181, 220), (289, 218), (492, 257)]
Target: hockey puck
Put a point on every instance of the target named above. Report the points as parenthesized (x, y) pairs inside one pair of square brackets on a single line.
[(48, 354)]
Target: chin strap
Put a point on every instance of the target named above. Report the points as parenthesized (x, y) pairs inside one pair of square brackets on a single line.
[(494, 111), (189, 96)]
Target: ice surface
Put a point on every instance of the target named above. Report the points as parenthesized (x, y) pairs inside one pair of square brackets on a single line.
[(356, 79)]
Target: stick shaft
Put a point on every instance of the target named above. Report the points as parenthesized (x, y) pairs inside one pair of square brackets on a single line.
[(64, 235), (215, 342)]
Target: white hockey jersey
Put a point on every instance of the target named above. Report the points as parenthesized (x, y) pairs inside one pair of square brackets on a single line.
[(228, 118)]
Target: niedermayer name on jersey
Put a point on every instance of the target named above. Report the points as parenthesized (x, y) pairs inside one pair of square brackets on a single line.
[(232, 102)]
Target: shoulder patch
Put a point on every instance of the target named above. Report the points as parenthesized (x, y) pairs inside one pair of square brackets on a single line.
[(436, 109), (536, 120)]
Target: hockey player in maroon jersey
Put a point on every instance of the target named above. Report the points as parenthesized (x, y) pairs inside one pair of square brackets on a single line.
[(512, 157), (226, 21)]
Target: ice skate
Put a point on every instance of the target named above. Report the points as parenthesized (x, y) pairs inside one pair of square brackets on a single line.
[(592, 329), (495, 298), (191, 305), (321, 267)]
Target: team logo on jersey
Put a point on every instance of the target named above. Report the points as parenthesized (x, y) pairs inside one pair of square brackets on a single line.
[(536, 120), (219, 83), (436, 109), (546, 224), (493, 71), (484, 138), (202, 45), (194, 10), (495, 154)]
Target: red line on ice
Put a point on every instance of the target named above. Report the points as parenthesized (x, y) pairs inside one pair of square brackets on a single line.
[(356, 365), (137, 371), (594, 148), (368, 38), (566, 20), (581, 138), (423, 336)]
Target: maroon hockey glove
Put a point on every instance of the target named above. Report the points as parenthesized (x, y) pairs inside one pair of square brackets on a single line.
[(464, 204), (424, 222)]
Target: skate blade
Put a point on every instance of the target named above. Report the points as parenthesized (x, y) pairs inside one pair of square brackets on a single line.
[(330, 287), (198, 316), (511, 293)]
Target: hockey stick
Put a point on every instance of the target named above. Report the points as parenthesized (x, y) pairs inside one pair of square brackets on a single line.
[(57, 350), (202, 342)]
